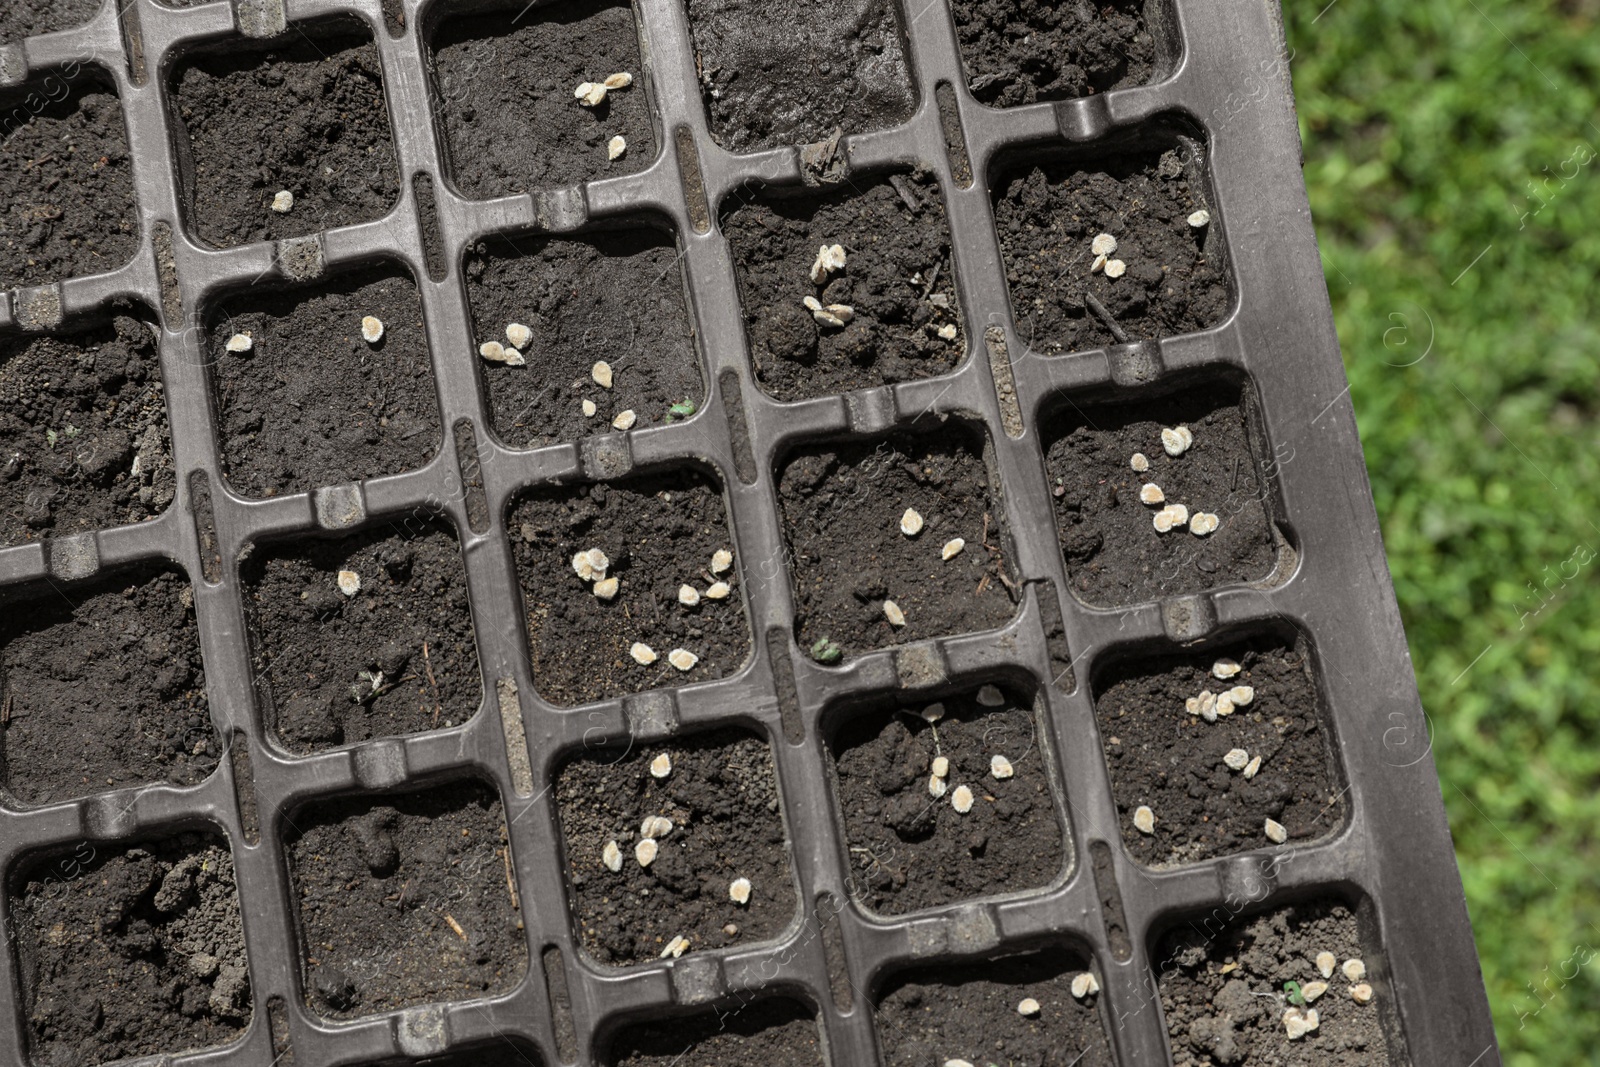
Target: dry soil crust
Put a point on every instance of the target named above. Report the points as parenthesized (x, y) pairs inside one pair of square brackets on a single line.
[(775, 1031), (1023, 51)]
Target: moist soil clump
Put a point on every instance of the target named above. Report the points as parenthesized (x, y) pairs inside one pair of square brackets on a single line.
[(66, 182), (30, 18), (612, 297), (842, 508), (103, 688), (658, 533), (721, 796), (1114, 553), (774, 1030), (396, 658), (504, 84), (774, 73), (307, 116), (312, 403), (1024, 51), (84, 443), (913, 850), (933, 1015), (130, 951), (897, 279), (1163, 757), (405, 899), (1048, 216), (1214, 984)]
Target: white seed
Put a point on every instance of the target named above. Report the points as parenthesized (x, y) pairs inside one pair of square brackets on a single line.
[(1202, 523), (661, 766), (1225, 668), (1103, 245), (1326, 962), (812, 304), (1115, 268), (718, 591), (590, 94), (349, 583), (676, 947), (620, 80), (721, 560), (961, 799), (495, 352), (588, 408), (1275, 832), (1354, 970), (941, 766), (1179, 512), (682, 659), (616, 146), (739, 891), (643, 653), (892, 612), (1144, 820), (1192, 705), (1162, 520), (1242, 695), (1298, 1022), (655, 826), (601, 373), (1174, 442), (606, 588), (688, 596), (911, 523), (956, 1063), (591, 564), (1139, 462), (371, 329), (1224, 705), (936, 786), (1361, 993), (835, 315), (1252, 767), (519, 335), (990, 696), (1000, 767), (952, 548), (283, 202), (1200, 219), (1208, 705), (932, 713), (1312, 990), (830, 258), (1236, 759), (240, 343), (1150, 493), (1098, 265), (645, 851), (611, 855), (625, 420), (1028, 1006), (1085, 984)]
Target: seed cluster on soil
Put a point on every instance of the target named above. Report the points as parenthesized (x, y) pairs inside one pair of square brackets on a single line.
[(896, 279), (130, 950), (29, 18), (84, 442), (721, 796), (405, 899), (772, 1030), (1023, 51), (102, 687), (311, 403), (395, 657)]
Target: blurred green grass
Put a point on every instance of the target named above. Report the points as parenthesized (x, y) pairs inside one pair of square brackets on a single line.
[(1439, 135)]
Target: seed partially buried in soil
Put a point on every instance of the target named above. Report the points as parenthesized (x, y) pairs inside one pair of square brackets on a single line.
[(739, 891), (682, 659), (349, 583), (611, 856), (661, 766), (645, 851), (1144, 820), (1326, 962), (283, 202), (240, 343), (1085, 984)]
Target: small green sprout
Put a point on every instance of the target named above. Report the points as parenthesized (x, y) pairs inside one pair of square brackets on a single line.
[(50, 437), (1292, 989), (70, 432), (681, 410), (825, 651)]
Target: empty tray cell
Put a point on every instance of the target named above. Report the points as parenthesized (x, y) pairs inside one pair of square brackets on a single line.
[(84, 442), (304, 117), (366, 636), (404, 899), (911, 847), (103, 687), (310, 402), (506, 83), (1024, 51), (1213, 772), (1234, 990), (1169, 278), (770, 1030), (855, 570), (887, 313), (1115, 551), (129, 950), (614, 298), (696, 824), (650, 604), (972, 1011), (66, 181), (29, 18), (775, 73)]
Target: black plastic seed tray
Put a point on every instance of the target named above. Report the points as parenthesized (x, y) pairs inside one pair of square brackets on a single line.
[(1089, 618)]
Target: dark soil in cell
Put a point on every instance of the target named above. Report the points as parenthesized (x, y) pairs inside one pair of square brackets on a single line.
[(910, 850), (1023, 51), (1049, 215), (312, 404), (659, 533), (66, 182), (382, 885), (774, 73), (1113, 551), (775, 1031), (969, 1011), (897, 277), (1214, 977), (103, 688), (616, 297), (1164, 757), (318, 650), (29, 18), (842, 507), (84, 443), (307, 116), (130, 951), (722, 798), (504, 83)]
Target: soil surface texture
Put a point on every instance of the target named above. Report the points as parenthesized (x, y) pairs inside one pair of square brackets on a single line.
[(307, 117), (775, 73), (842, 510), (66, 182), (721, 796), (1163, 757), (405, 899), (312, 403), (1049, 215), (84, 443), (897, 279), (103, 688), (1114, 553), (969, 1011), (1214, 984), (773, 1031), (1023, 51), (130, 951), (504, 83), (659, 533), (29, 18), (912, 850), (396, 658), (612, 297)]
